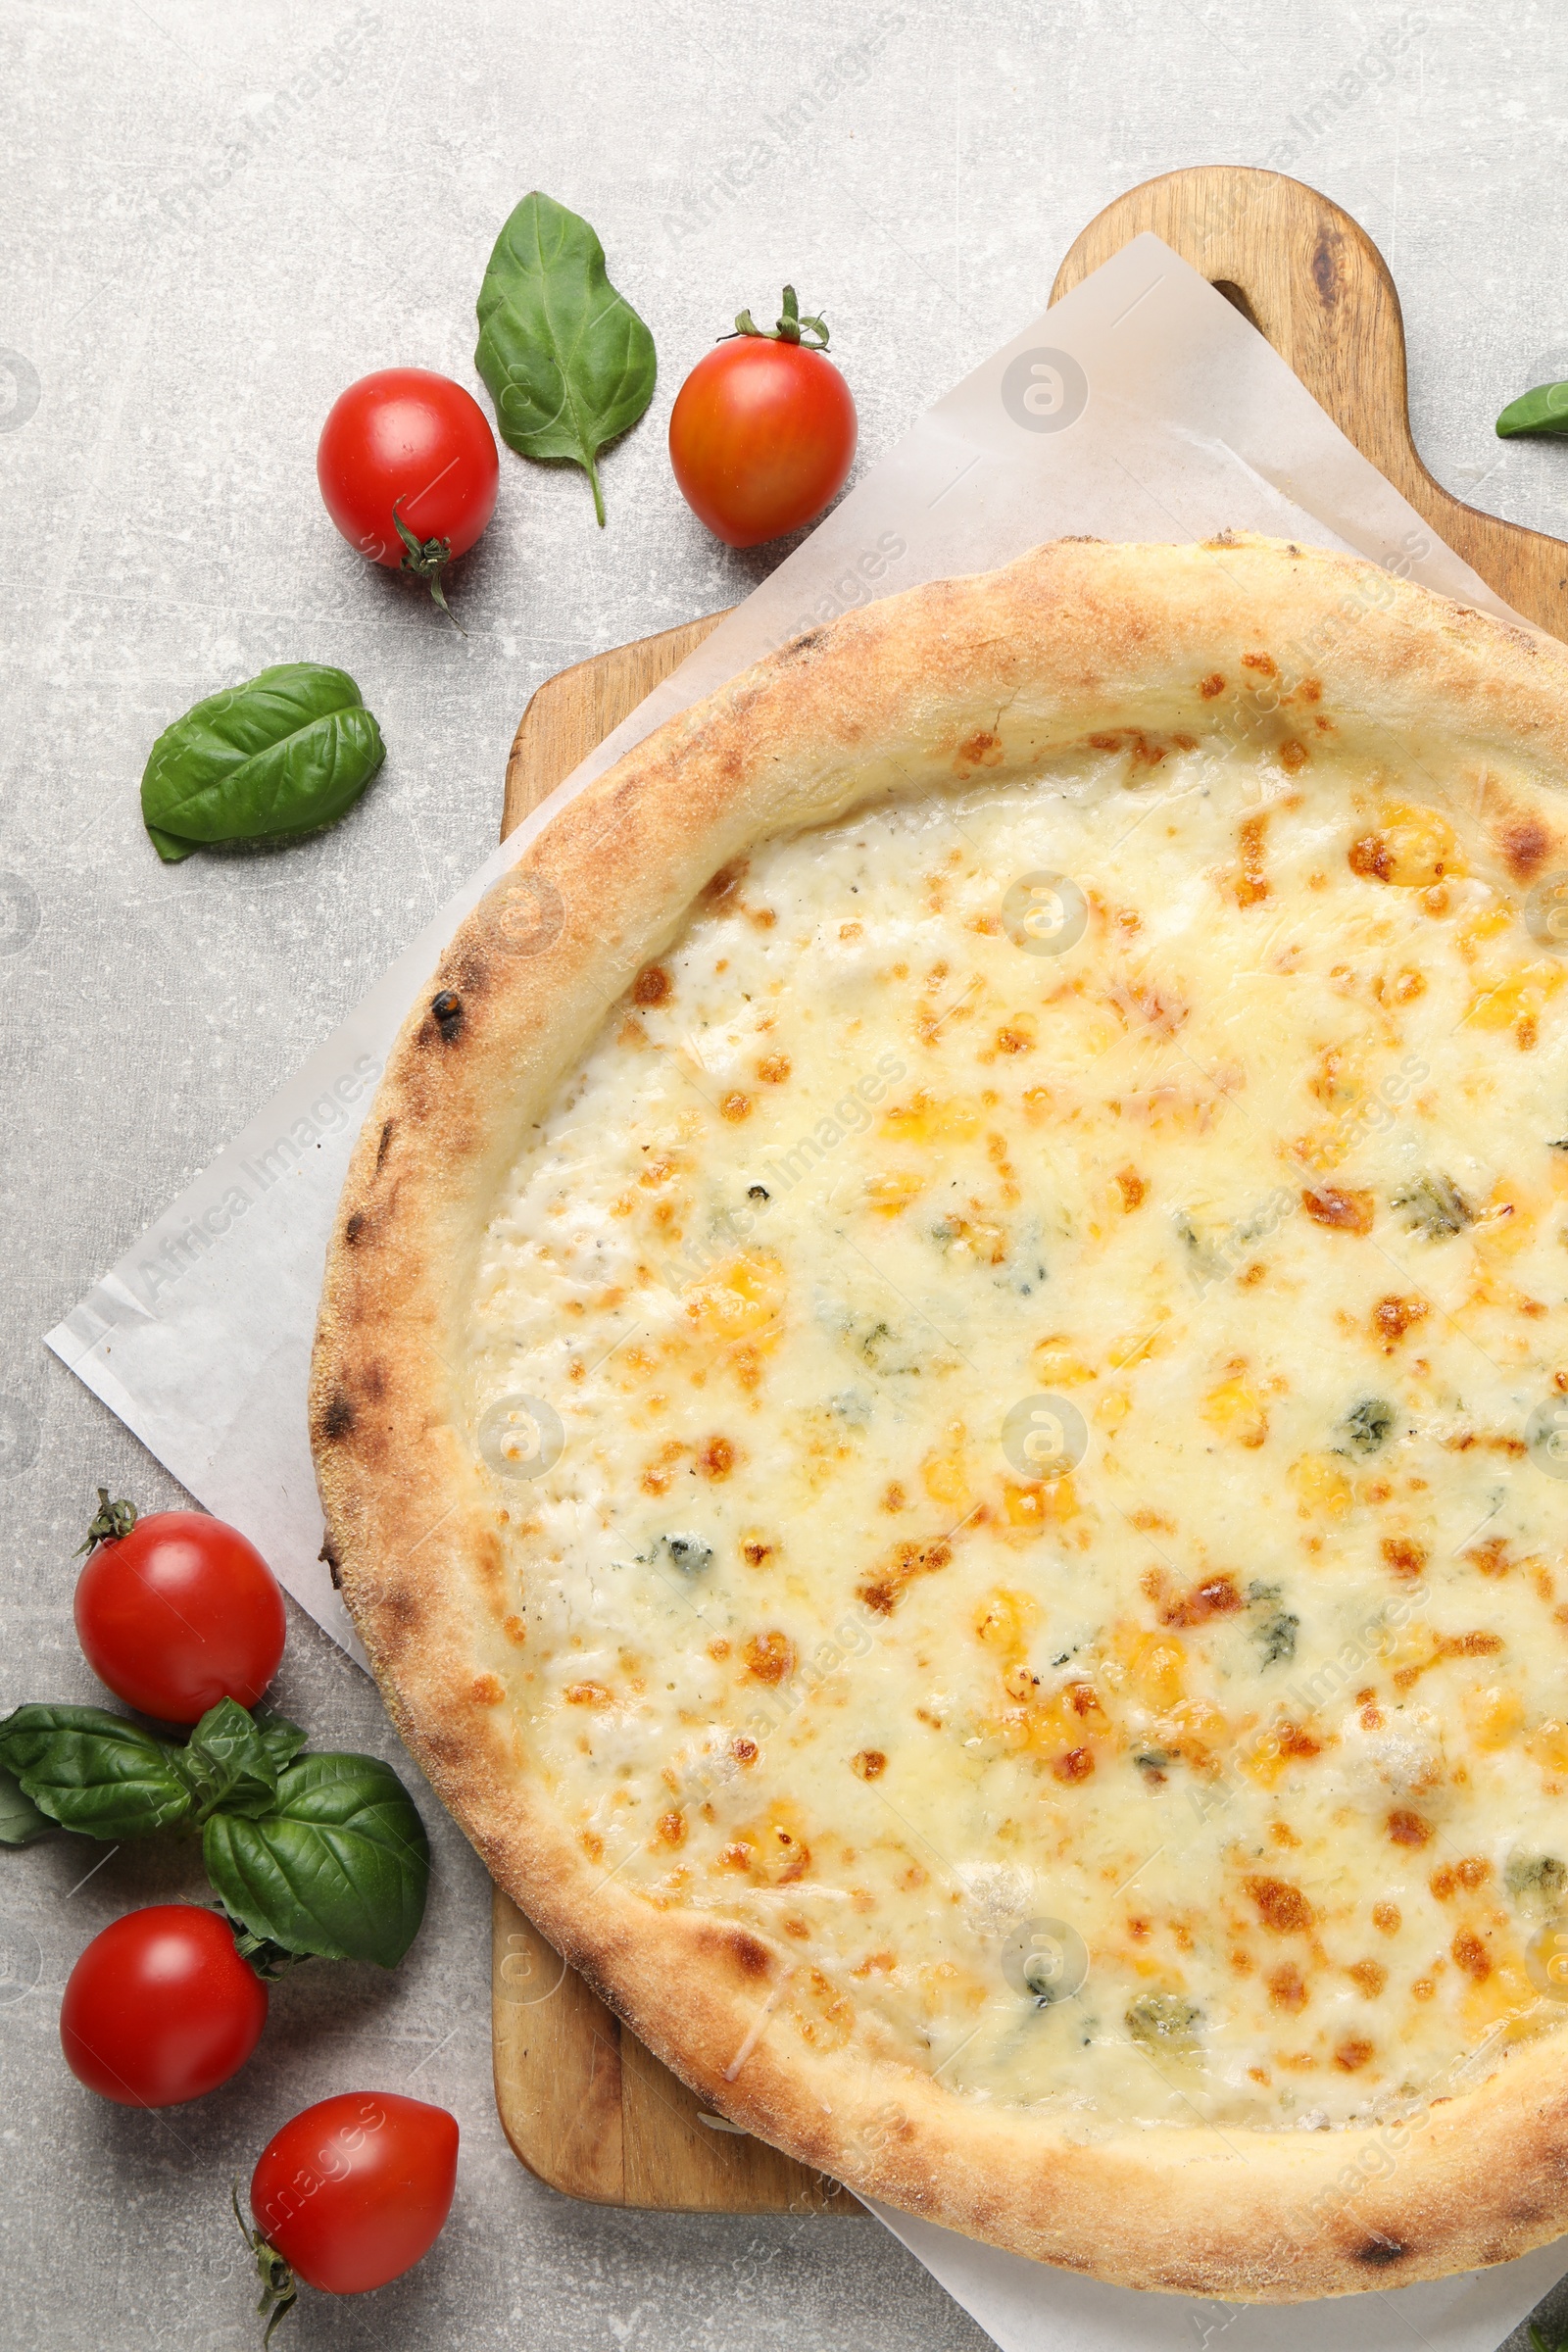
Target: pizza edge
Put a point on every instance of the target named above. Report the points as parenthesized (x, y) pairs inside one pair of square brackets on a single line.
[(950, 683)]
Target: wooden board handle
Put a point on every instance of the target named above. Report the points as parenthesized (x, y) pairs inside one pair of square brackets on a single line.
[(1311, 280)]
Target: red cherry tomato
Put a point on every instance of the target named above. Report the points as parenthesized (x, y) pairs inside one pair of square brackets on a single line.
[(354, 2189), (763, 433), (160, 2008), (408, 445), (177, 1613)]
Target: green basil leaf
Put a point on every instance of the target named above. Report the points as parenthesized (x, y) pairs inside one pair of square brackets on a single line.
[(281, 1739), (284, 753), (95, 1772), (21, 1821), (565, 358), (229, 1763), (1543, 411), (339, 1869), (169, 848)]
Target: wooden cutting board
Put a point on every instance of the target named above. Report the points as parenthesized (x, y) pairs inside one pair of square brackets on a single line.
[(581, 2101), (1312, 279)]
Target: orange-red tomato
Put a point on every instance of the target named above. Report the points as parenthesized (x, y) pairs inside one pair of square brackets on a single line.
[(761, 437)]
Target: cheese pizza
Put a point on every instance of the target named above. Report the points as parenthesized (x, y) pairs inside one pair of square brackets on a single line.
[(943, 1402)]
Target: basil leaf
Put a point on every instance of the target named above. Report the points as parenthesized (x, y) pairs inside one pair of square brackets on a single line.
[(21, 1821), (565, 358), (1543, 411), (339, 1869), (171, 848), (228, 1763), (281, 1739), (94, 1772), (284, 753)]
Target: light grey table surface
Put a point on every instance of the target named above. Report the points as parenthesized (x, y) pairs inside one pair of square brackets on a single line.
[(217, 217)]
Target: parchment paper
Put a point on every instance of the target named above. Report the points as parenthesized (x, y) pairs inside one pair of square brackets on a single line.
[(1142, 407)]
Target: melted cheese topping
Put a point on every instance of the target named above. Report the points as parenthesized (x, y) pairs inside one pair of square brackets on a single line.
[(1049, 1525)]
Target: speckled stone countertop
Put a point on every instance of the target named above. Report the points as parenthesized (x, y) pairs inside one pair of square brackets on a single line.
[(215, 218)]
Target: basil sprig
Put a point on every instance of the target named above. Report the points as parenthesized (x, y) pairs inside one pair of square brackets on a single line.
[(565, 358), (337, 1868), (286, 753), (323, 1856)]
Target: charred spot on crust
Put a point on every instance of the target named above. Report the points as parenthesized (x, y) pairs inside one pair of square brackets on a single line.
[(338, 1419), (1524, 842), (398, 1610), (1379, 2251), (447, 1012), (375, 1382), (355, 1228), (447, 1749), (384, 1145), (334, 1567), (750, 1956), (749, 1953), (798, 647), (470, 971)]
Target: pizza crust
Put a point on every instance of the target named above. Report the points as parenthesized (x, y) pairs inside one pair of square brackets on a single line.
[(961, 679)]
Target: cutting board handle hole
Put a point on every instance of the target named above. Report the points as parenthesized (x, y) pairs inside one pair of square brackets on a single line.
[(1236, 299)]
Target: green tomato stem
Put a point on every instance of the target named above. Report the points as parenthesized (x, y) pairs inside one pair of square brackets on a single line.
[(280, 2293), (807, 331), (427, 559), (114, 1519)]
